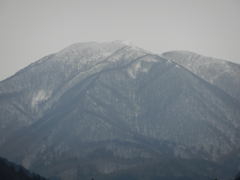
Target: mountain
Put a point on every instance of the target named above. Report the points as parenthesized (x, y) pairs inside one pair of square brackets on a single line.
[(224, 74), (96, 108), (11, 171)]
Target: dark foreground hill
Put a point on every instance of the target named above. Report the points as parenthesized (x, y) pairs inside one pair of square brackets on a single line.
[(11, 171), (100, 108), (171, 169)]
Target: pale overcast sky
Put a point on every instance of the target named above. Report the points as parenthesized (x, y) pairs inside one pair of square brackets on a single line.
[(31, 29)]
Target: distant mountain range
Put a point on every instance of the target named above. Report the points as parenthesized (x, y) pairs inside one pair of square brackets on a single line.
[(107, 109)]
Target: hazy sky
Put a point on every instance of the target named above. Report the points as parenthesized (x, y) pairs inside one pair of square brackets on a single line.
[(31, 29)]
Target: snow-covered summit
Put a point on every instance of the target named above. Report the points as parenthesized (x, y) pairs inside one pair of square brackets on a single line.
[(90, 50), (122, 41), (107, 47), (81, 56)]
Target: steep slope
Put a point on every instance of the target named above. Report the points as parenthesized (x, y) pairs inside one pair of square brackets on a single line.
[(27, 95), (224, 74), (111, 106)]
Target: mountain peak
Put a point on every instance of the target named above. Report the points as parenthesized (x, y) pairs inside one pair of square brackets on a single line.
[(94, 48), (122, 41), (115, 44)]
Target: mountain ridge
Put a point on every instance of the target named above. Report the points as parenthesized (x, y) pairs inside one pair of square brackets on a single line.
[(221, 73)]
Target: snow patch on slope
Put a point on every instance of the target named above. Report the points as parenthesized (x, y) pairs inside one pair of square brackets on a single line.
[(139, 67), (39, 97), (132, 71)]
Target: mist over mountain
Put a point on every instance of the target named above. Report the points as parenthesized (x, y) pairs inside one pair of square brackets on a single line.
[(99, 108)]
